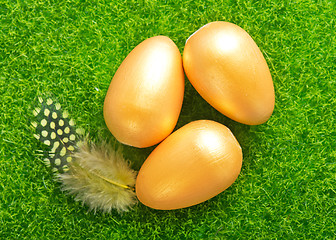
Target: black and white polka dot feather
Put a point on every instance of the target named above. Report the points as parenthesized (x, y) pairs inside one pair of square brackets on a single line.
[(55, 129), (96, 175)]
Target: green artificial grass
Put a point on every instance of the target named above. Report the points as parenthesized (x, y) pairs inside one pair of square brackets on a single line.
[(71, 49)]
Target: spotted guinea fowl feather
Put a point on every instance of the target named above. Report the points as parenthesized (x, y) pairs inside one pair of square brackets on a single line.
[(57, 131), (97, 176)]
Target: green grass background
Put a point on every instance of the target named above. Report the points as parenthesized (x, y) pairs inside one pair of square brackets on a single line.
[(71, 49)]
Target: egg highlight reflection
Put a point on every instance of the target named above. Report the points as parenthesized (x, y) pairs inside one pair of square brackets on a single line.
[(192, 165), (144, 99), (228, 70)]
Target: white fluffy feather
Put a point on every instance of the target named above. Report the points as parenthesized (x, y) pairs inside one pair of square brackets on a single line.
[(100, 178)]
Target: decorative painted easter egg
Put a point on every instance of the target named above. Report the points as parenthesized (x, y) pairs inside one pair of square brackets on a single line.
[(192, 165), (144, 99), (228, 70)]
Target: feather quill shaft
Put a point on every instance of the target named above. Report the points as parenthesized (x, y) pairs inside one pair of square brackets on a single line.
[(113, 182)]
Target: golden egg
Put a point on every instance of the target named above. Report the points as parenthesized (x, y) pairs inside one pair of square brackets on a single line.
[(228, 70), (192, 165), (144, 99)]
